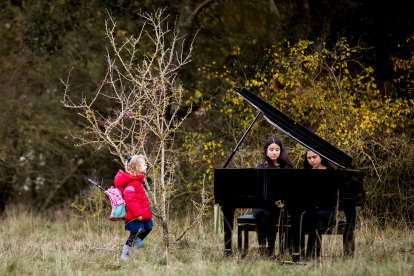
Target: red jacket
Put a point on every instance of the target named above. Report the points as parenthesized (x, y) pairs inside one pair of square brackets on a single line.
[(136, 200)]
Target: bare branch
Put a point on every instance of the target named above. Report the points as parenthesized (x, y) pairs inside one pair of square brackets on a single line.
[(135, 107)]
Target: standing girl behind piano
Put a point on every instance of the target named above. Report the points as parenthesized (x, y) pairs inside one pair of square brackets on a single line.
[(321, 217), (274, 157)]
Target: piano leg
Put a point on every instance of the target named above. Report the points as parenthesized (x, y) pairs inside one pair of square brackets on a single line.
[(228, 217), (296, 234), (349, 237)]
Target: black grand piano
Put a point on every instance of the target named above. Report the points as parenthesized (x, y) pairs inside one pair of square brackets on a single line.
[(298, 188)]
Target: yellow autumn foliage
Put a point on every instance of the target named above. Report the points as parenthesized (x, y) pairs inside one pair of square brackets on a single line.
[(333, 94)]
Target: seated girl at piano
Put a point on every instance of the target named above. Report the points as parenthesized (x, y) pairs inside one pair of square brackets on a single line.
[(321, 217), (315, 161), (274, 156)]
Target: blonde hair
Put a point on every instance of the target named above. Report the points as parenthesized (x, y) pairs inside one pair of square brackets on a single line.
[(133, 162)]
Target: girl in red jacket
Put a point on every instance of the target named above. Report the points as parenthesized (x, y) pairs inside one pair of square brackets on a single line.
[(138, 216)]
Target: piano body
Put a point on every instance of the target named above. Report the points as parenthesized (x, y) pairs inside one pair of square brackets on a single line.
[(299, 188)]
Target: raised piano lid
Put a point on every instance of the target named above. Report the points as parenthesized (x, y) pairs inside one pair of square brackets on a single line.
[(296, 131)]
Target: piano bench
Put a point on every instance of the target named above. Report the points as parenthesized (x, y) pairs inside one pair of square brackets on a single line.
[(245, 223)]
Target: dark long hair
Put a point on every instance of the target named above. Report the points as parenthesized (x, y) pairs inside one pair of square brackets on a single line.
[(283, 160), (324, 161)]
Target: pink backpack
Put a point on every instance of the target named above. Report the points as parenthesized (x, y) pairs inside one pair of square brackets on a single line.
[(117, 201)]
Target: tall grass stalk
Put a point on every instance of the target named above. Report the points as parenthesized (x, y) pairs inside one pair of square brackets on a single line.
[(35, 245)]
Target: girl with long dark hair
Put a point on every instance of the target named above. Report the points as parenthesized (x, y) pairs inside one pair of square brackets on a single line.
[(274, 157)]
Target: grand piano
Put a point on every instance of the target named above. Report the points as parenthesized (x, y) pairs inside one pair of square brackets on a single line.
[(298, 188)]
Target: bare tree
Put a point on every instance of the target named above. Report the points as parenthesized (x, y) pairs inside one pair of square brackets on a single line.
[(135, 109)]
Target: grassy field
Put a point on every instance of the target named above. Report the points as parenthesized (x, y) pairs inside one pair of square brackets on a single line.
[(34, 245)]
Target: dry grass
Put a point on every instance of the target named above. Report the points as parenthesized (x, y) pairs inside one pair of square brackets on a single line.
[(31, 244)]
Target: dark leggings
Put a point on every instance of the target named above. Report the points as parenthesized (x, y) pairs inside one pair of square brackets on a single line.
[(133, 235), (137, 229), (266, 227), (320, 220)]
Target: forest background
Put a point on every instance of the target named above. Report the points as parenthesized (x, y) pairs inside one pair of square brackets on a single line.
[(341, 68)]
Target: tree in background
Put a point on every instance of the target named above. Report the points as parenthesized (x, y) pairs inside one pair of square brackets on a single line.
[(137, 107), (41, 39)]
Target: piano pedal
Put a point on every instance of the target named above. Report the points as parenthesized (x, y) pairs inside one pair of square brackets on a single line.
[(295, 260), (292, 263), (296, 257)]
